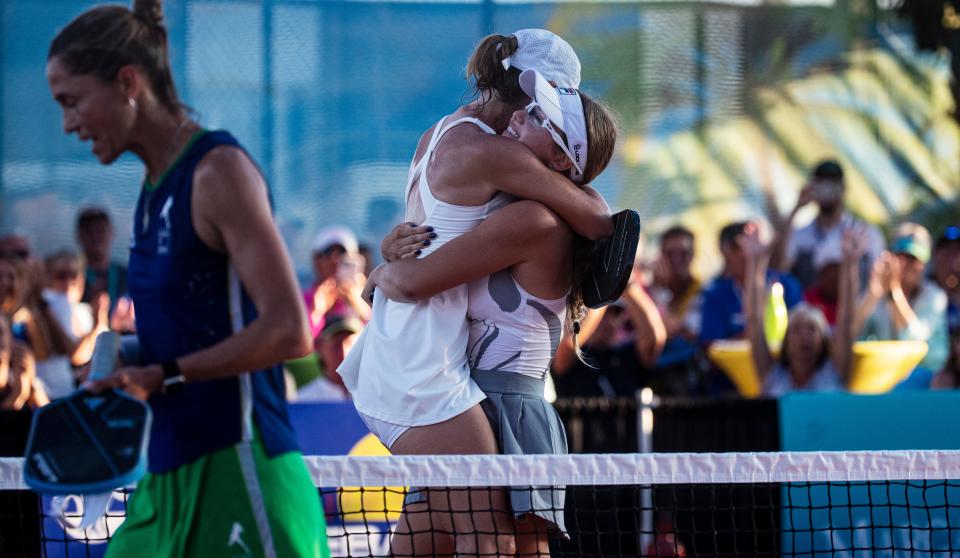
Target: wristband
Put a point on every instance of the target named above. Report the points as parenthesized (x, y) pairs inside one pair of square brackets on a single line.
[(172, 378)]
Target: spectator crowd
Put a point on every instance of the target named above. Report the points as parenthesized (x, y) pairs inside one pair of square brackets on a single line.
[(796, 298)]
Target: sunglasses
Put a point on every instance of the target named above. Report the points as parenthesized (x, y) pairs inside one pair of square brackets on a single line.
[(540, 118), (335, 249), (65, 274), (18, 253)]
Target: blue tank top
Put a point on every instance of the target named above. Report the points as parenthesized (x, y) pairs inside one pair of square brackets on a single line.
[(187, 298)]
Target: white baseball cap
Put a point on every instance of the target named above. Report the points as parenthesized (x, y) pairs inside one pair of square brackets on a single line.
[(335, 235), (547, 53), (564, 109)]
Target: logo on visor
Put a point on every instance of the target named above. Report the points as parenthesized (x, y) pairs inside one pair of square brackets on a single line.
[(576, 151), (566, 91)]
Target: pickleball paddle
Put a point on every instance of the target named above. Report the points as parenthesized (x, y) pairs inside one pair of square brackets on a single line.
[(89, 443), (613, 259)]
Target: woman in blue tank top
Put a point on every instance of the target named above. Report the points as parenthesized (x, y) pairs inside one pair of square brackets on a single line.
[(216, 299)]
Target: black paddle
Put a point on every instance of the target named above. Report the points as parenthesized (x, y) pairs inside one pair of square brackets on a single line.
[(613, 261), (87, 443)]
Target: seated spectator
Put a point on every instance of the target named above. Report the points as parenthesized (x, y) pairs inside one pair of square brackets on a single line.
[(15, 245), (826, 188), (81, 323), (335, 340), (18, 385), (338, 278), (901, 304), (823, 293), (33, 323), (807, 361), (949, 377), (621, 342), (946, 272), (722, 310)]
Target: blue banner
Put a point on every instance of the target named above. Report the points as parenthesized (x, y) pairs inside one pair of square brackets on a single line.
[(870, 519)]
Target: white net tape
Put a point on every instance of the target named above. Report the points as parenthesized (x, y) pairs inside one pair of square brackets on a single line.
[(611, 469)]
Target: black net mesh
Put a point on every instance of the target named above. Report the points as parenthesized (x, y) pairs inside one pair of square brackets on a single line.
[(859, 519)]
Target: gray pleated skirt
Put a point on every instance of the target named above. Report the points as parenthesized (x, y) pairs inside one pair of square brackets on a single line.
[(525, 423)]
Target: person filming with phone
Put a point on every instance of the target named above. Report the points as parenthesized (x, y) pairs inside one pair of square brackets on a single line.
[(337, 278), (796, 250)]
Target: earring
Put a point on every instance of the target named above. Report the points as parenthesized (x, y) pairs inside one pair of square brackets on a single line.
[(132, 102)]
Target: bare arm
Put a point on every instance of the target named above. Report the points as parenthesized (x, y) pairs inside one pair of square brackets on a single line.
[(83, 350), (510, 236), (754, 291), (854, 245), (509, 166), (231, 205), (783, 228), (881, 283), (649, 333)]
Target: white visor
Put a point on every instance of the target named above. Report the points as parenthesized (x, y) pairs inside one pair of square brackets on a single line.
[(565, 110)]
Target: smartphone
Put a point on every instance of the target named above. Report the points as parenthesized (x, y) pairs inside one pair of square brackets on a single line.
[(827, 191)]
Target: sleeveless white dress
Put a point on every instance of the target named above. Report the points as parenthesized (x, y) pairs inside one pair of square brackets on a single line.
[(409, 366)]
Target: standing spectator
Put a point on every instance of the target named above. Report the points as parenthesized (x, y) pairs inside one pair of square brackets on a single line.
[(824, 291), (338, 279), (946, 272), (335, 340), (675, 289), (826, 188), (901, 304), (723, 314), (95, 236), (103, 275)]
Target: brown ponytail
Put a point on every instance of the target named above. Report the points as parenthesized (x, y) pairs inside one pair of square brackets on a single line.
[(149, 12), (583, 252), (104, 39), (485, 70)]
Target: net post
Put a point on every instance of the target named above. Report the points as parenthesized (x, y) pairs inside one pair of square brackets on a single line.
[(645, 403)]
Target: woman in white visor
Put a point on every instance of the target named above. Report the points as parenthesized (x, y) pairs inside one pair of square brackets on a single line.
[(408, 371), (522, 274)]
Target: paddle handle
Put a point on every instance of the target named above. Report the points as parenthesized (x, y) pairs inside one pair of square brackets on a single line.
[(104, 355)]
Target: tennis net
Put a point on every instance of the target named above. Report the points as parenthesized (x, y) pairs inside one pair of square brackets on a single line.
[(858, 504)]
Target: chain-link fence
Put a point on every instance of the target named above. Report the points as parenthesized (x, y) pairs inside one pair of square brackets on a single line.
[(716, 102)]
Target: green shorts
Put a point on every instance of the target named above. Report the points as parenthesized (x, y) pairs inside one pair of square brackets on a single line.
[(233, 503)]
